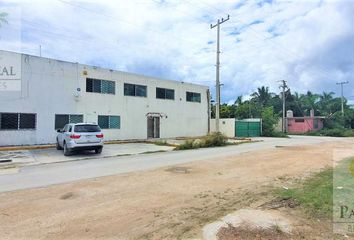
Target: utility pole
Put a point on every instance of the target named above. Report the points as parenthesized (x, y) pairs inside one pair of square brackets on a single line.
[(342, 97), (283, 86), (40, 50), (217, 95)]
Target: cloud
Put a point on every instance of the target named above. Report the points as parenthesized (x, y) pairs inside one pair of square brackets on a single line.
[(308, 43)]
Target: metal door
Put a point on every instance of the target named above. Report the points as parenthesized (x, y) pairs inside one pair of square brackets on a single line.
[(153, 127), (254, 129), (241, 129), (247, 129)]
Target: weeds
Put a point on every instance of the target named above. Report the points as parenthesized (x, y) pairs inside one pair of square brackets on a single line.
[(161, 143), (315, 194), (211, 140)]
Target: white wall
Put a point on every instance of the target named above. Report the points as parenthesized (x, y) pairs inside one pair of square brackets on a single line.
[(49, 88), (226, 126)]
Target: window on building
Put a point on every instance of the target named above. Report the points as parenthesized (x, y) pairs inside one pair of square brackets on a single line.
[(109, 122), (193, 97), (62, 119), (100, 86), (135, 90), (164, 93), (17, 121), (27, 121), (299, 120)]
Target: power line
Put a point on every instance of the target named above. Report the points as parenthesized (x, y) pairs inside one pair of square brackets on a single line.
[(39, 28), (123, 20), (284, 50)]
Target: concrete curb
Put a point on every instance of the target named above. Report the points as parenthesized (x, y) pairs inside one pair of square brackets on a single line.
[(46, 146), (29, 147)]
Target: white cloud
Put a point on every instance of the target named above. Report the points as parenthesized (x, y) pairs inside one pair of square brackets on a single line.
[(308, 43)]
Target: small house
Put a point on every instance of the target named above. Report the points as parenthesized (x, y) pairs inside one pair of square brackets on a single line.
[(303, 124)]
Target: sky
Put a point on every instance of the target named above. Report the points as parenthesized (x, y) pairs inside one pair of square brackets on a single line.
[(308, 43)]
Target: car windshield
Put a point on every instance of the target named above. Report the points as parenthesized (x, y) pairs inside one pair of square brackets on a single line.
[(87, 128)]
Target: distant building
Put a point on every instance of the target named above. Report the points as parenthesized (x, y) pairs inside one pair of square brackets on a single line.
[(303, 124), (40, 95)]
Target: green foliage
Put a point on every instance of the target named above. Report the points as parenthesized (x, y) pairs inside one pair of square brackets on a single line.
[(333, 132), (262, 96), (211, 140), (315, 196), (186, 145), (324, 104), (269, 119)]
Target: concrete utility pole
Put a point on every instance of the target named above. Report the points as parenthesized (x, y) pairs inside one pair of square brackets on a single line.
[(217, 95), (283, 86), (342, 97)]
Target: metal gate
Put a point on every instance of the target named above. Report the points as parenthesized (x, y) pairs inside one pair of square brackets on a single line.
[(153, 127), (246, 128)]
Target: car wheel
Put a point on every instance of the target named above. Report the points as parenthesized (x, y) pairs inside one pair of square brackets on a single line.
[(67, 151), (98, 150), (58, 146)]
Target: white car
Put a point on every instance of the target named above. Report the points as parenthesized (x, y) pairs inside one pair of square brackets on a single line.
[(80, 136)]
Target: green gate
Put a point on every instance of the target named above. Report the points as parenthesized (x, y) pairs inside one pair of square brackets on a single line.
[(248, 128)]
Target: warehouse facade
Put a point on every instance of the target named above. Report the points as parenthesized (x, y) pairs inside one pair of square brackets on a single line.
[(40, 95)]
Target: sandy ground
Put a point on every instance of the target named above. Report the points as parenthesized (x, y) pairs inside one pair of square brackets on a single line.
[(166, 203)]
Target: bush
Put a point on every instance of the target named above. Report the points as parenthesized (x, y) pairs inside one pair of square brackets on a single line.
[(335, 132), (269, 119), (278, 134), (186, 145), (215, 140), (211, 140)]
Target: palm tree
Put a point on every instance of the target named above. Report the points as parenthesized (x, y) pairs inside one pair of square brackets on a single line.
[(310, 100), (238, 101), (326, 96), (262, 96), (326, 103), (3, 16)]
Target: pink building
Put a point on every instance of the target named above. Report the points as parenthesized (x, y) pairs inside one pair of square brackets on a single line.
[(304, 124)]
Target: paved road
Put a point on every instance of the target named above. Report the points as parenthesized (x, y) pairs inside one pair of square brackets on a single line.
[(44, 175)]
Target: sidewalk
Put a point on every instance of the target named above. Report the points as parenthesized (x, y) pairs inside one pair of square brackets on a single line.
[(51, 155)]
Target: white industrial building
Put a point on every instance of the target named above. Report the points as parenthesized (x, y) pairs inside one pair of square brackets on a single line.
[(39, 95)]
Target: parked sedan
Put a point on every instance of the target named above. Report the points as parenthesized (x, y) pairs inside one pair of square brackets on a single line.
[(80, 136)]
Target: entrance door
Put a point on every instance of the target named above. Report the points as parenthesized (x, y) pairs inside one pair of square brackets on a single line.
[(153, 127)]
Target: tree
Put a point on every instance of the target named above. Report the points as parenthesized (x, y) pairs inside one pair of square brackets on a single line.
[(262, 96), (238, 101), (310, 101), (3, 17), (269, 119), (325, 103)]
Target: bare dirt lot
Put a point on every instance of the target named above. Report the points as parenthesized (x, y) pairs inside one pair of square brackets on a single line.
[(167, 203)]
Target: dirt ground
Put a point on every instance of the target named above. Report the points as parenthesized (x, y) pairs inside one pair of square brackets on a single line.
[(166, 203)]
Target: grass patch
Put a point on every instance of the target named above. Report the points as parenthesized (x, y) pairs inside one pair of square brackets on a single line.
[(315, 196), (211, 140)]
